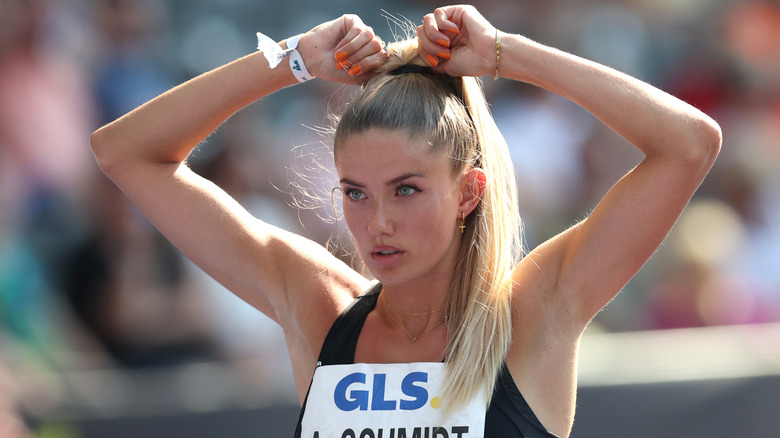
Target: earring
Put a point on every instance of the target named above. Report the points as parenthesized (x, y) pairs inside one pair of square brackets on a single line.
[(462, 225)]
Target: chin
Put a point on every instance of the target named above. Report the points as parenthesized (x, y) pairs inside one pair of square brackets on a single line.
[(387, 277)]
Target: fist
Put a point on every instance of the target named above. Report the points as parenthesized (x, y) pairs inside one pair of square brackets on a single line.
[(343, 50)]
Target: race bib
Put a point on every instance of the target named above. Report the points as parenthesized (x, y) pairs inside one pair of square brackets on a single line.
[(386, 401)]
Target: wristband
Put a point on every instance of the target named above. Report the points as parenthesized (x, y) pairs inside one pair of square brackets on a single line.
[(274, 54), (296, 60)]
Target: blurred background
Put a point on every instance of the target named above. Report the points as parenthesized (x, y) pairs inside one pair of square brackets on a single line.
[(107, 331)]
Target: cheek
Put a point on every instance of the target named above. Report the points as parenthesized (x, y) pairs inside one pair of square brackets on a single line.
[(357, 223), (350, 218), (431, 220)]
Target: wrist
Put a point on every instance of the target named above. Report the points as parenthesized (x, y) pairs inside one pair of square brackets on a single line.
[(297, 64), (498, 54), (285, 52), (515, 56), (487, 46)]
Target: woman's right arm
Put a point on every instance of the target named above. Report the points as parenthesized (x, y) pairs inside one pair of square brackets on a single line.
[(144, 153)]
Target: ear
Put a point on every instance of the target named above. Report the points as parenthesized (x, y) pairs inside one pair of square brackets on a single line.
[(472, 185)]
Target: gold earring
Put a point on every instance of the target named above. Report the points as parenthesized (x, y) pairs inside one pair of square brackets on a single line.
[(462, 223)]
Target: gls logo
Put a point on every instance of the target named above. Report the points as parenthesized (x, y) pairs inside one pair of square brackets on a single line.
[(348, 399)]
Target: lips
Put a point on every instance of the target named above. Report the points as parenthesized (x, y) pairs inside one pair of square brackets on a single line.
[(386, 255), (385, 250)]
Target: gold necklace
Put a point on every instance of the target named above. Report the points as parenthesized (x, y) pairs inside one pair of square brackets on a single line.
[(414, 339), (440, 309)]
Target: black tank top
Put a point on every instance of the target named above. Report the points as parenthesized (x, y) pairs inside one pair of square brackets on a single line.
[(508, 415)]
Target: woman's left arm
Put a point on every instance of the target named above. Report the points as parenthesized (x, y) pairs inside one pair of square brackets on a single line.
[(587, 265), (598, 256)]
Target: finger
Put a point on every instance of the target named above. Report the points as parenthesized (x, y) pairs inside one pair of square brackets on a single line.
[(342, 49), (356, 36), (368, 66), (443, 21), (431, 31), (433, 52), (371, 62), (345, 55), (363, 44), (364, 59), (435, 35), (374, 46)]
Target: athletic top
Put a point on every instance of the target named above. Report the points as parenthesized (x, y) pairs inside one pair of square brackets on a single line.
[(508, 414)]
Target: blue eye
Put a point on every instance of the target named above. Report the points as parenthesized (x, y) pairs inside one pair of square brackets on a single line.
[(355, 194), (407, 190)]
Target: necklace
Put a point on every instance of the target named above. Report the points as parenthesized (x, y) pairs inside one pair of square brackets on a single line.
[(440, 309), (414, 339)]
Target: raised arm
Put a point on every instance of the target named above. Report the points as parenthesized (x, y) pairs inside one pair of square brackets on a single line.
[(144, 153), (167, 128), (581, 269)]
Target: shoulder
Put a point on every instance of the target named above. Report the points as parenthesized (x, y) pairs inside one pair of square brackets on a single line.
[(319, 287)]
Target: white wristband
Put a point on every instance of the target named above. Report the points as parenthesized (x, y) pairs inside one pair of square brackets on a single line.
[(296, 60), (274, 53)]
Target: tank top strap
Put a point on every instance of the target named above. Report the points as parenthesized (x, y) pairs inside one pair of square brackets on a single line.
[(510, 413), (340, 343)]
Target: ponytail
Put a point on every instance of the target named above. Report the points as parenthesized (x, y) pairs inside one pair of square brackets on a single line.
[(452, 114)]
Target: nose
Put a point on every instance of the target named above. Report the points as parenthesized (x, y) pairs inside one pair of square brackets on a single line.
[(380, 222)]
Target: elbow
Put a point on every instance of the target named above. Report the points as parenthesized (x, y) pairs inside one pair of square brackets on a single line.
[(710, 141), (100, 143), (97, 143), (713, 137), (703, 145)]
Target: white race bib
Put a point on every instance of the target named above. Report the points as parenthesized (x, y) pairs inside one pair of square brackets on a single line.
[(386, 401)]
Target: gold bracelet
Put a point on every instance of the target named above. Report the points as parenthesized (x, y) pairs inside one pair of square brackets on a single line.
[(498, 54)]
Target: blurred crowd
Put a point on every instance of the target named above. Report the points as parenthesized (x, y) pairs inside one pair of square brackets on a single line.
[(87, 283)]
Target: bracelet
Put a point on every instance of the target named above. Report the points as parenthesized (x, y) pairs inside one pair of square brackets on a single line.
[(498, 55), (274, 53)]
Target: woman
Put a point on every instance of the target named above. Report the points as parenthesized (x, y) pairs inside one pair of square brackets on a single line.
[(467, 337)]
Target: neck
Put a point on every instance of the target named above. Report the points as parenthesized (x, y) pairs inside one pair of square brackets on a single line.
[(419, 304), (411, 301), (415, 336), (414, 312)]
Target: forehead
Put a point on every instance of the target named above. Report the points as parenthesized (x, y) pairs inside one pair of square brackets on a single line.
[(379, 151)]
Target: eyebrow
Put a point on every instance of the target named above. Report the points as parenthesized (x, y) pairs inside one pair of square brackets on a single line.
[(392, 182)]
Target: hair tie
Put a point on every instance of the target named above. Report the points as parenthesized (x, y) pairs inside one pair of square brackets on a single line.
[(412, 68), (454, 84)]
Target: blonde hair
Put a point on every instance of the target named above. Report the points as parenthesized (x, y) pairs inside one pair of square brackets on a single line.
[(452, 114)]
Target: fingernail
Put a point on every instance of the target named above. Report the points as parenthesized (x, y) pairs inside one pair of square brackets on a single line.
[(354, 70), (341, 55), (444, 55), (453, 30), (342, 64), (433, 60), (443, 42)]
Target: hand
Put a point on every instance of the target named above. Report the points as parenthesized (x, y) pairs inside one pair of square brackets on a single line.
[(458, 41), (343, 50)]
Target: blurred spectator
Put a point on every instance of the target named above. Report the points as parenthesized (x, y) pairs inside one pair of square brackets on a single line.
[(751, 30), (130, 71), (45, 109), (45, 116), (700, 286), (127, 285), (11, 425)]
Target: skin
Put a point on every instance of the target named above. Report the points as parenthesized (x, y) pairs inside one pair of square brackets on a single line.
[(559, 286), (402, 198)]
